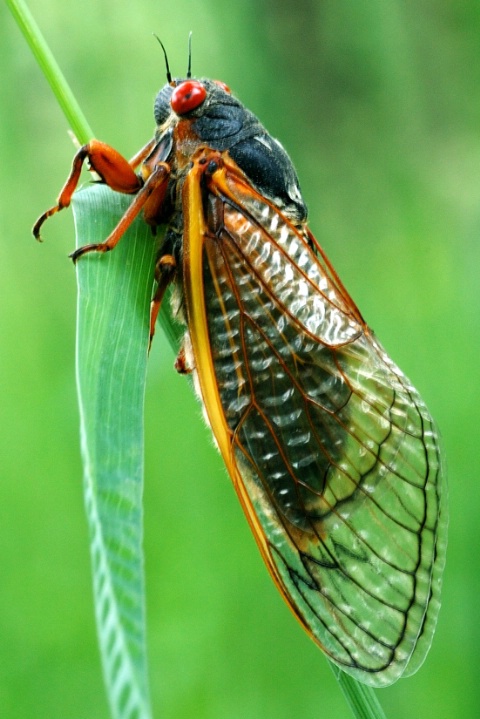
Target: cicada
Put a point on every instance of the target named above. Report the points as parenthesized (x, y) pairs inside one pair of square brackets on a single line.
[(332, 452)]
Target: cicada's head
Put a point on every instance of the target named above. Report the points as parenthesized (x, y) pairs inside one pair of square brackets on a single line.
[(204, 100)]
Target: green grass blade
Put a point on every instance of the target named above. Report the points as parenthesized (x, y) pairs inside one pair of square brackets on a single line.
[(50, 69), (361, 699), (114, 292)]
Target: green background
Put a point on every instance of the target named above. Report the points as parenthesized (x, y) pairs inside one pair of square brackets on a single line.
[(378, 104)]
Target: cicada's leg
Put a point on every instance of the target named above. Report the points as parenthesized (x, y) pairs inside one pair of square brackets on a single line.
[(164, 274), (110, 165), (153, 191), (142, 154), (181, 363)]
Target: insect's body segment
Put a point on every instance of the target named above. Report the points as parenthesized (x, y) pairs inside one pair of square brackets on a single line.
[(331, 450)]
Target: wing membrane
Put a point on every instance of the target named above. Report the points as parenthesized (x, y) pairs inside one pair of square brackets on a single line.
[(331, 449)]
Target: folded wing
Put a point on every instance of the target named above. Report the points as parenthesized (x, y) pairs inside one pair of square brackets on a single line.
[(333, 453)]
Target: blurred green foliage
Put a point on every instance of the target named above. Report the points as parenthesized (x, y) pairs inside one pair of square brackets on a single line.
[(379, 106)]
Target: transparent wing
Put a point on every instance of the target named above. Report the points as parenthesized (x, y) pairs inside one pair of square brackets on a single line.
[(332, 451)]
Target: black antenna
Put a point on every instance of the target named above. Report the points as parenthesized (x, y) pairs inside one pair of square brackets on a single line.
[(189, 69), (169, 75)]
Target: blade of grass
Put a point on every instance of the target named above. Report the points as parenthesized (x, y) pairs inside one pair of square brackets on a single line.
[(361, 699), (114, 294), (111, 405), (50, 69)]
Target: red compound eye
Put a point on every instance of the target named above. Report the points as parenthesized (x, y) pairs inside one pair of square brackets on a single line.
[(223, 86), (187, 97)]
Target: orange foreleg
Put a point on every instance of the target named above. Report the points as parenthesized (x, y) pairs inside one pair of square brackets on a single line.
[(110, 165)]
